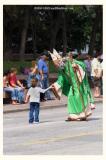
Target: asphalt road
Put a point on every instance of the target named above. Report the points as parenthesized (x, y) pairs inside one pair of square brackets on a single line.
[(53, 135)]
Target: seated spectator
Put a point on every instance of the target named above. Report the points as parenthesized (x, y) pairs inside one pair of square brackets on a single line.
[(16, 84), (9, 89)]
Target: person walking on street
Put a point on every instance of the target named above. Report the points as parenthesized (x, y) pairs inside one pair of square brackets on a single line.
[(73, 82)]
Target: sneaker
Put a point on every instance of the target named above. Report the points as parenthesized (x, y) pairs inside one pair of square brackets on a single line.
[(30, 122), (36, 122)]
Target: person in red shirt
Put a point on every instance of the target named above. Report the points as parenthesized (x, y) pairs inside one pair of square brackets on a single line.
[(15, 83), (9, 89)]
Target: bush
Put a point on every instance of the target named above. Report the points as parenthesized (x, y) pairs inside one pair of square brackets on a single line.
[(24, 64), (17, 64)]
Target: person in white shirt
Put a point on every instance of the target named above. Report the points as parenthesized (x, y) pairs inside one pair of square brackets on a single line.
[(101, 79), (96, 73), (33, 96)]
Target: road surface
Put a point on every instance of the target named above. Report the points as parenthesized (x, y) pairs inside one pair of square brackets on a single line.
[(53, 135)]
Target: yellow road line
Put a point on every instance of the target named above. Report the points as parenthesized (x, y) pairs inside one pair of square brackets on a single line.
[(60, 138)]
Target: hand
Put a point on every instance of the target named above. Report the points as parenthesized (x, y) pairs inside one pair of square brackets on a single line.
[(26, 101), (23, 87), (42, 77), (75, 67), (52, 86)]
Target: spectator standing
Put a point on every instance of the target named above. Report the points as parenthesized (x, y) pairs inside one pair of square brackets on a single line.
[(88, 65), (44, 74), (88, 68), (96, 73), (16, 84), (101, 78)]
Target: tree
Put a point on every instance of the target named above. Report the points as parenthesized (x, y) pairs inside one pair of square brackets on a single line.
[(97, 23), (55, 25), (31, 30), (64, 33), (34, 35), (27, 11)]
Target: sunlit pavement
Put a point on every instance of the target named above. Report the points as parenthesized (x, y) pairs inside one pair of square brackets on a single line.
[(53, 135)]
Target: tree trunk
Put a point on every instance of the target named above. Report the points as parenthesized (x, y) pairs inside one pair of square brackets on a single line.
[(53, 39), (24, 33), (92, 40), (7, 45), (64, 35), (55, 25), (34, 36)]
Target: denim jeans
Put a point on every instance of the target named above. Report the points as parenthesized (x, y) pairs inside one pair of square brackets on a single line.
[(20, 94), (12, 91), (34, 112), (45, 84)]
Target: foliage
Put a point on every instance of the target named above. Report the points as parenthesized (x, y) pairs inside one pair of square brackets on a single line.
[(7, 65), (62, 29)]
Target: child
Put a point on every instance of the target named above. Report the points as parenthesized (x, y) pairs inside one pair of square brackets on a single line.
[(34, 96), (31, 75)]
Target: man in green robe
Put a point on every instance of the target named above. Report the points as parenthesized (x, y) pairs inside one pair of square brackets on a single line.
[(73, 82)]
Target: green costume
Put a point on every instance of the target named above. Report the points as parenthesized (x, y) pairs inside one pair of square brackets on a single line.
[(78, 93)]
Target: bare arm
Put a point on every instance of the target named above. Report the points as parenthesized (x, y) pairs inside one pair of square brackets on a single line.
[(20, 84), (27, 98), (44, 90), (34, 70), (13, 85)]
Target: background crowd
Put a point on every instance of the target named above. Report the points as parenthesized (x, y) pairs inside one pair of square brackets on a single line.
[(17, 89), (94, 68)]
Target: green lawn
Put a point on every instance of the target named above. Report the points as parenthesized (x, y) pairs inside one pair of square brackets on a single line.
[(24, 64)]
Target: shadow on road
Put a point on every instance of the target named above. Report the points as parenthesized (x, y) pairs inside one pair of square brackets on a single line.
[(91, 119)]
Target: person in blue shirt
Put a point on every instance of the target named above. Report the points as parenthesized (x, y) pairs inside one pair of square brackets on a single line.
[(44, 74)]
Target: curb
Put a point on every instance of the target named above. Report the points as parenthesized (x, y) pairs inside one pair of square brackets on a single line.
[(26, 109), (42, 108)]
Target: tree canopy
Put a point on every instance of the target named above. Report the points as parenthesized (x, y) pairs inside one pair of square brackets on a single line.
[(32, 29)]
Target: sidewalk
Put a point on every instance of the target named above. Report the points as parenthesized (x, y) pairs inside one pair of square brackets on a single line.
[(8, 108)]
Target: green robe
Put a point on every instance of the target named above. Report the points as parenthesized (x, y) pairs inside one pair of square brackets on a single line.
[(79, 94)]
